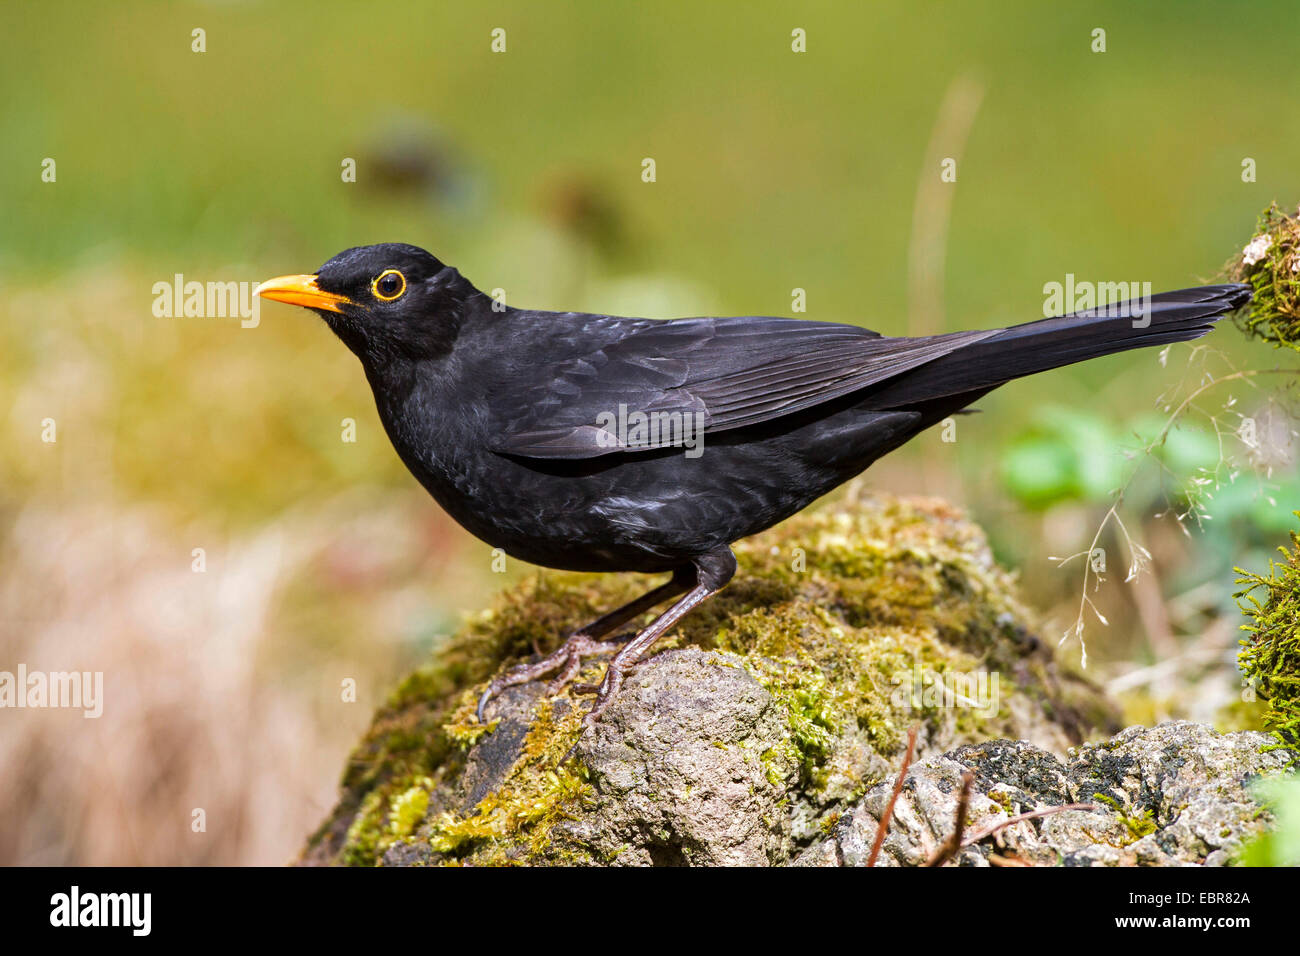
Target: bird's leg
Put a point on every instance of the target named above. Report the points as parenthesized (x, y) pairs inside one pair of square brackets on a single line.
[(712, 572), (584, 642)]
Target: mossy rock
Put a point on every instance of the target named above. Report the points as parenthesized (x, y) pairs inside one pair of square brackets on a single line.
[(1270, 264), (1270, 653), (740, 740)]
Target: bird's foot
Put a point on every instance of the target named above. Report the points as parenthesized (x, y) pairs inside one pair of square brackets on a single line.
[(566, 659), (605, 693)]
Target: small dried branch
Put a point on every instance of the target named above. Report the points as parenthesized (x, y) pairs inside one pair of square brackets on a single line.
[(882, 829), (1001, 825)]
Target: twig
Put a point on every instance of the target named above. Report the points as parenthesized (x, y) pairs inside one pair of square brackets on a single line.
[(988, 831), (882, 828), (953, 843)]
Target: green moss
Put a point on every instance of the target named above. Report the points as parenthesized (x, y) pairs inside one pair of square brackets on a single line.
[(407, 810), (361, 846), (1270, 264), (1003, 799), (1137, 825), (1270, 655), (811, 714), (467, 733), (513, 823), (404, 752), (860, 620)]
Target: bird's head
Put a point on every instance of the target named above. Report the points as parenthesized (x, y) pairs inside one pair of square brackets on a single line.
[(383, 301)]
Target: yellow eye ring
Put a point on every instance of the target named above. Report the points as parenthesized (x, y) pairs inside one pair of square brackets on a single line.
[(389, 290)]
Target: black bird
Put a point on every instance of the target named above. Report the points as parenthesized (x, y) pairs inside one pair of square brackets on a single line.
[(600, 443)]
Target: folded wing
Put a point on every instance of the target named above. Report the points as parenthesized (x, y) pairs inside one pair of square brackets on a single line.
[(730, 372)]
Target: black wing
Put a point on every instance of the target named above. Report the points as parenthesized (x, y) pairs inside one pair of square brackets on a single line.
[(732, 371)]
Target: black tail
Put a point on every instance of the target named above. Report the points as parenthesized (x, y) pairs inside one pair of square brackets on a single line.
[(1051, 343)]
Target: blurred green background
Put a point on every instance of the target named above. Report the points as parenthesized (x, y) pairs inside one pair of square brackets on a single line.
[(775, 170)]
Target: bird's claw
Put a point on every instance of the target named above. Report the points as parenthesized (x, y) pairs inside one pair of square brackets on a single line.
[(567, 659)]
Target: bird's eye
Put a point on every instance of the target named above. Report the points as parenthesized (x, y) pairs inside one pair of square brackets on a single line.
[(389, 286)]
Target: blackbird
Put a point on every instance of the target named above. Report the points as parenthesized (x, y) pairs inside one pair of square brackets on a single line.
[(602, 443)]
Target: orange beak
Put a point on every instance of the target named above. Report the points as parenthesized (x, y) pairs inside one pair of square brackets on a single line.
[(301, 290)]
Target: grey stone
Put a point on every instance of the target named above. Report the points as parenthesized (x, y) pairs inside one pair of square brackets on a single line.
[(1171, 795), (678, 765)]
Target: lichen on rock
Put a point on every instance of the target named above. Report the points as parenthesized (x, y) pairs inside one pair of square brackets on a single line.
[(744, 737), (1172, 795)]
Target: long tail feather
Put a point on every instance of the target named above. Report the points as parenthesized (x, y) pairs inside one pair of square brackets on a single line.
[(1051, 343)]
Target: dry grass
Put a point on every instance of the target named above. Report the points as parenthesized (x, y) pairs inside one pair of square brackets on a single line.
[(217, 696)]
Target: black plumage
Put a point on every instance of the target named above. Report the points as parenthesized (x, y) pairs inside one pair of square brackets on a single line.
[(503, 415)]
